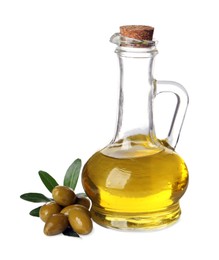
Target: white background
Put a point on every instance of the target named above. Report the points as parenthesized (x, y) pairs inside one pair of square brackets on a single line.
[(58, 101)]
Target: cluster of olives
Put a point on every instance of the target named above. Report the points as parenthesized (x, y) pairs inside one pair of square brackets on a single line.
[(66, 209)]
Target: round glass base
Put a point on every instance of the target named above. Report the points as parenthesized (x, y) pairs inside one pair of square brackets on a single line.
[(136, 221)]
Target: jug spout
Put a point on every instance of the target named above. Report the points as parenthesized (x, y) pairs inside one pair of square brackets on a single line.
[(121, 40)]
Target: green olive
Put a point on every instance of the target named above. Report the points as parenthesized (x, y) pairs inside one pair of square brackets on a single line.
[(80, 220), (83, 201), (67, 209), (56, 224), (48, 210), (63, 195)]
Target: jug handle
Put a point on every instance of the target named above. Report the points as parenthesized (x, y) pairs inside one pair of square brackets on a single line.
[(164, 86)]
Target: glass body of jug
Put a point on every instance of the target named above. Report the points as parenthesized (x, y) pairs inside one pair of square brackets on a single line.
[(136, 181)]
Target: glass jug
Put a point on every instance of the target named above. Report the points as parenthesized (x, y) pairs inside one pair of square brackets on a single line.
[(136, 181)]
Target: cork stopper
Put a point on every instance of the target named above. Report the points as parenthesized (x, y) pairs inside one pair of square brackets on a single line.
[(138, 32)]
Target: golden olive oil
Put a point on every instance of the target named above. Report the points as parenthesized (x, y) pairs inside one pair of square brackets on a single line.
[(135, 185)]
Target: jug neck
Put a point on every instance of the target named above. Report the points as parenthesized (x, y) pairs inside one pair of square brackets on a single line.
[(135, 115)]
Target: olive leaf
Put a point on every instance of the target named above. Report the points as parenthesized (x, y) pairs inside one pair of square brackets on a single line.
[(70, 232), (72, 174), (48, 180), (35, 212), (34, 197)]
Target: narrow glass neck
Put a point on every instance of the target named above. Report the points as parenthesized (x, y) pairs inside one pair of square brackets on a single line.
[(135, 116)]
